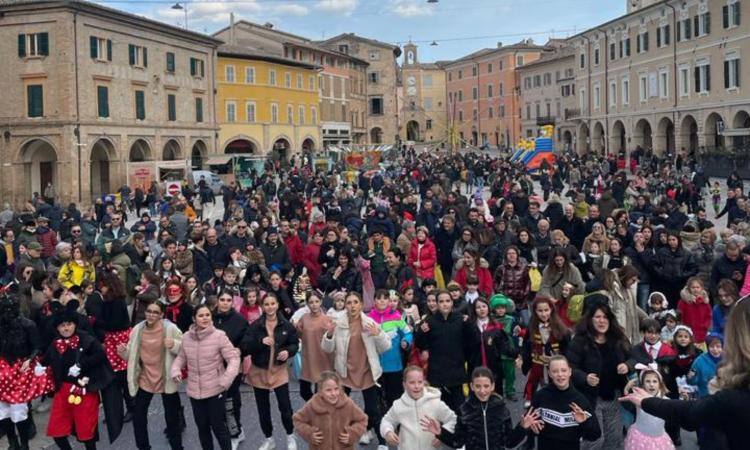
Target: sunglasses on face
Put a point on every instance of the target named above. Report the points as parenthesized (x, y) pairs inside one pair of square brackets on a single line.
[(75, 231)]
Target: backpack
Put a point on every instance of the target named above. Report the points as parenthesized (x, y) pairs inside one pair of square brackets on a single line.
[(580, 303)]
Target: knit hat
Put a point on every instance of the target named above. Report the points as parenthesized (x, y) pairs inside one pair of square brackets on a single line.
[(710, 337), (33, 245), (498, 300), (453, 286), (683, 328)]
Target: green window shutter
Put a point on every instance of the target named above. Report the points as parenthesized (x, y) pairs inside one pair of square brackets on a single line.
[(192, 67), (21, 45), (726, 74), (35, 100), (708, 23), (708, 77), (145, 57), (199, 110), (94, 46), (170, 62), (109, 49), (203, 68), (131, 54), (667, 33), (102, 96), (697, 80), (737, 72), (725, 16), (140, 105), (172, 107), (44, 44)]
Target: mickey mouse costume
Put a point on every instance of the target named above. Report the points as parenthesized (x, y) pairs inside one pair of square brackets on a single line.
[(81, 371), (19, 381)]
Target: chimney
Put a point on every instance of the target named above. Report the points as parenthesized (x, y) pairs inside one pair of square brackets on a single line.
[(231, 28), (499, 45)]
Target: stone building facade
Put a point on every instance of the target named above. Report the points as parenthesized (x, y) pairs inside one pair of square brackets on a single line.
[(382, 83), (666, 76), (423, 108), (89, 90), (483, 95)]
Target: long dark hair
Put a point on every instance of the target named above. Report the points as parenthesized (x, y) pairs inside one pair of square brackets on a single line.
[(115, 289), (614, 335), (558, 330)]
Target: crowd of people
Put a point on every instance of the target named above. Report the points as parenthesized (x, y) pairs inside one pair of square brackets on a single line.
[(426, 286)]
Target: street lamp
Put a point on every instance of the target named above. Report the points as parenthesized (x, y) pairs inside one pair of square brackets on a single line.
[(434, 43), (179, 7)]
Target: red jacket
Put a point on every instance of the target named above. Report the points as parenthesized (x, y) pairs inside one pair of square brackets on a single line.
[(427, 257), (310, 260), (485, 280), (295, 248), (697, 316), (48, 240)]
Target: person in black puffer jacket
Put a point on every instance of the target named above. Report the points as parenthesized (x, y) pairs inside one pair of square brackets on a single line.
[(237, 329), (672, 265), (484, 422)]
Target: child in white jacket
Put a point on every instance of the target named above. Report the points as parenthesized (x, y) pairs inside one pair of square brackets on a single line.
[(417, 402)]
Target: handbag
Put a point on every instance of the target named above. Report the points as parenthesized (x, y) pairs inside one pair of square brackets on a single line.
[(535, 277), (439, 280)]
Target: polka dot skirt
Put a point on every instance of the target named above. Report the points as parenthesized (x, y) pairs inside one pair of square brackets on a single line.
[(111, 341), (21, 387)]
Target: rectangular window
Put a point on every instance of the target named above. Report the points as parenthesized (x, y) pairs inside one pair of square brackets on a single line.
[(35, 100), (229, 74), (102, 101), (702, 24), (474, 93), (231, 112), (474, 114), (489, 67), (684, 81), (289, 114), (460, 74), (500, 91), (537, 81), (612, 51), (489, 91), (732, 73), (473, 71), (684, 30), (301, 112), (625, 91), (643, 88), (642, 43), (428, 124), (140, 105), (460, 96), (663, 36), (427, 102), (299, 81), (288, 80), (731, 15), (528, 112), (376, 106), (137, 56), (427, 80), (272, 77), (612, 93), (250, 75), (314, 115), (198, 109), (663, 84), (170, 62), (502, 111), (625, 48), (373, 77), (460, 116), (250, 111), (171, 107), (703, 78), (582, 102), (197, 68), (547, 79), (274, 113), (33, 45), (490, 112), (582, 59), (597, 92), (312, 83), (519, 60), (596, 56), (101, 49)]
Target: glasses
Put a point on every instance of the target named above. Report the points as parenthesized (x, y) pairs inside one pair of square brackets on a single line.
[(75, 231)]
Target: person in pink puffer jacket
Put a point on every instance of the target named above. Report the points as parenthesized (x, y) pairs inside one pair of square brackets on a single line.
[(212, 364)]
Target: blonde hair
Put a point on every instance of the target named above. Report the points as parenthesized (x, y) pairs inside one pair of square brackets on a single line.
[(734, 371)]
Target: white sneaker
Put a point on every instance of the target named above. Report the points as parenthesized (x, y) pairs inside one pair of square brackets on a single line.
[(268, 444), (291, 442), (526, 404), (367, 437), (241, 436)]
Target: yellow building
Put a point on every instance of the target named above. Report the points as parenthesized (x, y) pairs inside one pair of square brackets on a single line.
[(266, 104)]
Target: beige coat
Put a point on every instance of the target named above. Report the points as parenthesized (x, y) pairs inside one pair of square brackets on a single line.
[(339, 345), (626, 310), (132, 354)]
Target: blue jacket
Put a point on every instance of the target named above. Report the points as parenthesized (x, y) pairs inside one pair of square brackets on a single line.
[(705, 368), (718, 320), (394, 325)]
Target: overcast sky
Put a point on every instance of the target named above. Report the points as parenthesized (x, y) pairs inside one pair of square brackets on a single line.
[(459, 26)]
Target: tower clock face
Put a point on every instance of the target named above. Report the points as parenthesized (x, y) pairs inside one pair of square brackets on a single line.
[(411, 81), (411, 91)]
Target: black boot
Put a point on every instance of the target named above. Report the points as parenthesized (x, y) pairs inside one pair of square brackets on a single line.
[(23, 432), (31, 425)]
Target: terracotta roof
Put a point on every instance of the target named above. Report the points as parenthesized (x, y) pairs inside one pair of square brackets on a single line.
[(358, 38), (246, 52)]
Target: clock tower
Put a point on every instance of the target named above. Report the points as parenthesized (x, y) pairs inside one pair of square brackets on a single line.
[(410, 54)]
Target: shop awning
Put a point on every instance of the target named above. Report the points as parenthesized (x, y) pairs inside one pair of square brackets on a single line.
[(218, 159)]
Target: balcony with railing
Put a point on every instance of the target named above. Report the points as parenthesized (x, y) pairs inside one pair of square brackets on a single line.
[(545, 120), (571, 114)]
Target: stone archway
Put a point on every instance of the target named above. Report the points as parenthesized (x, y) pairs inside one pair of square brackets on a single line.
[(308, 145), (712, 131), (618, 140), (171, 151), (281, 149), (584, 136), (689, 134), (99, 168), (39, 158), (597, 139), (240, 146), (198, 155), (376, 135), (665, 137), (642, 135), (140, 151), (741, 124), (412, 130)]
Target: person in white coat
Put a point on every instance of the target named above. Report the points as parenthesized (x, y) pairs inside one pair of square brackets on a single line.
[(356, 342), (417, 401)]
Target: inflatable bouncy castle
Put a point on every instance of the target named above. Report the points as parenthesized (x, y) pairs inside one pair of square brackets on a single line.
[(533, 151)]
